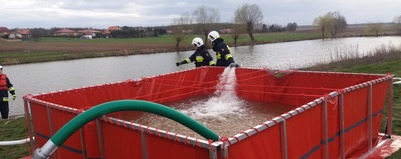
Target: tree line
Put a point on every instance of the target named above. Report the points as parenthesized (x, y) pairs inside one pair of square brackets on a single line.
[(123, 32), (247, 19), (133, 32)]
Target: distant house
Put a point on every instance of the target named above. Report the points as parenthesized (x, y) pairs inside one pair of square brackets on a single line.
[(187, 31), (182, 31), (111, 28), (65, 32), (88, 32), (86, 37), (20, 34), (226, 31), (4, 31), (107, 32)]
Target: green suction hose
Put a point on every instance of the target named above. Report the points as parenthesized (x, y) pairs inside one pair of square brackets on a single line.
[(122, 105)]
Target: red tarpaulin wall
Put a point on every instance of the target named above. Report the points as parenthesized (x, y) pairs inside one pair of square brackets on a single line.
[(305, 131)]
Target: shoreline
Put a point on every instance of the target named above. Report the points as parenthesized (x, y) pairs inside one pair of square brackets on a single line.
[(14, 53)]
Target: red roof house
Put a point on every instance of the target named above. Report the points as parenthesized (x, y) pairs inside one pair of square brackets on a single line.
[(65, 32), (107, 32), (4, 31), (19, 34), (111, 28), (88, 32)]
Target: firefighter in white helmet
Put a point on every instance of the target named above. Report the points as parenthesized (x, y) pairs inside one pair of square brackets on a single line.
[(224, 57), (200, 57), (5, 87)]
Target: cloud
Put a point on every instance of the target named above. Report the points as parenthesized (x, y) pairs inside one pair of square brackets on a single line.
[(104, 13)]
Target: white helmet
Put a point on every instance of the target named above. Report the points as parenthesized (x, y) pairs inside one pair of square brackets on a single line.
[(1, 67), (213, 35), (197, 41)]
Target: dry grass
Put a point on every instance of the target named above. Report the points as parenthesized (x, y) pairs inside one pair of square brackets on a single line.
[(350, 57), (31, 52), (70, 47)]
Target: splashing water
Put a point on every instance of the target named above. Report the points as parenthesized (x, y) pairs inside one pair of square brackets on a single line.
[(223, 112), (224, 100)]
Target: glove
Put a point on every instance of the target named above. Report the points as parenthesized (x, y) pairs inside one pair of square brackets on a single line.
[(233, 65), (180, 63), (14, 96), (211, 63)]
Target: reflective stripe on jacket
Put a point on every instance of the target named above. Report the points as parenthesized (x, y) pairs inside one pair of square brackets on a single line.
[(223, 53), (201, 57)]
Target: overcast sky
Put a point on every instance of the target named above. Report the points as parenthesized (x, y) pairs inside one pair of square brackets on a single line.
[(103, 13)]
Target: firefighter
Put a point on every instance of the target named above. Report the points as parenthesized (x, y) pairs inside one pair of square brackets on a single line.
[(201, 56), (5, 87), (224, 57)]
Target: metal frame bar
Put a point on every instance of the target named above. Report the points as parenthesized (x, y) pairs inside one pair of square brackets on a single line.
[(389, 110), (370, 133), (283, 138), (325, 130), (99, 137), (212, 154), (49, 116), (29, 121), (144, 145), (225, 152), (81, 136), (342, 131)]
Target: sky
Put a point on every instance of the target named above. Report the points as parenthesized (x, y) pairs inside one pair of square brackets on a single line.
[(101, 14)]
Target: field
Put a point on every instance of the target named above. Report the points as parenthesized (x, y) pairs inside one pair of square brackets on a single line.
[(61, 48), (65, 48)]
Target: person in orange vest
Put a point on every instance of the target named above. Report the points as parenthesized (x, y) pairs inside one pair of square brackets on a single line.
[(200, 57), (5, 87)]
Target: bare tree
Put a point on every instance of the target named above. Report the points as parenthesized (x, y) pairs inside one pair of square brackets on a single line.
[(397, 22), (323, 23), (250, 15), (180, 26), (331, 23), (375, 28), (205, 18), (292, 26), (38, 33), (339, 23), (236, 31)]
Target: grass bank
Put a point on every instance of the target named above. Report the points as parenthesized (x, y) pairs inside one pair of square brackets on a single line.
[(13, 129)]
